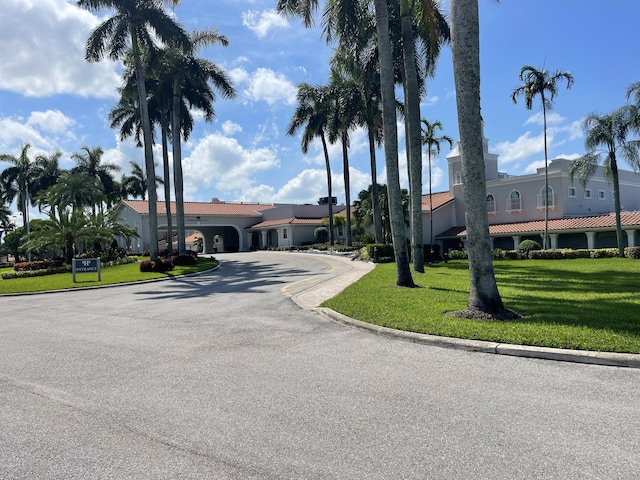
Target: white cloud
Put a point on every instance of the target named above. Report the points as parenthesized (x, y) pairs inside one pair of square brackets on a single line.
[(224, 163), (53, 121), (538, 119), (261, 23), (46, 44), (264, 85), (230, 128), (523, 147)]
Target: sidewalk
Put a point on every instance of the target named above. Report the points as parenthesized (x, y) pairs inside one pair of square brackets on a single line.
[(314, 296)]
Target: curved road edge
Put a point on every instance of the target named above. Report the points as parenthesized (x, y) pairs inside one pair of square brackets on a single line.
[(314, 296)]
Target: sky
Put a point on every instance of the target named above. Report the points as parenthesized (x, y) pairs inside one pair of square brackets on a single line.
[(52, 98)]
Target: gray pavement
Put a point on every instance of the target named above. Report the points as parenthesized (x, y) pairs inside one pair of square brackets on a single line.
[(221, 376)]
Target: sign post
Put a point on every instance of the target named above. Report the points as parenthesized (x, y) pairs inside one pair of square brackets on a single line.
[(86, 265)]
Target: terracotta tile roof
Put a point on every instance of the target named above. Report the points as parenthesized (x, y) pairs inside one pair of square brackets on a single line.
[(224, 209), (286, 221), (558, 225), (438, 199)]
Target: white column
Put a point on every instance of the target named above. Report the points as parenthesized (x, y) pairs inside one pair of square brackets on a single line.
[(516, 241), (263, 234), (631, 238), (591, 240), (554, 240)]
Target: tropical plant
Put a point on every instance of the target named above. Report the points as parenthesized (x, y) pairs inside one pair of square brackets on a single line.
[(192, 79), (74, 189), (435, 32), (136, 23), (465, 48), (610, 131), (305, 10), (16, 180), (363, 212), (540, 82), (89, 161), (312, 113), (432, 141), (13, 243)]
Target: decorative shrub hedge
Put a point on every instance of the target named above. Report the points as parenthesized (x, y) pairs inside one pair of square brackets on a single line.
[(632, 252), (38, 265), (160, 265)]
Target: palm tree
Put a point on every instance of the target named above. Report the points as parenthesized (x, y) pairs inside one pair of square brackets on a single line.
[(435, 32), (344, 117), (76, 190), (89, 161), (609, 131), (540, 82), (465, 49), (136, 23), (305, 10), (49, 170), (192, 79), (432, 141), (16, 180), (312, 112), (398, 229)]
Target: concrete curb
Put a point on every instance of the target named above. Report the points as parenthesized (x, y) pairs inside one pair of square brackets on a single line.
[(629, 360)]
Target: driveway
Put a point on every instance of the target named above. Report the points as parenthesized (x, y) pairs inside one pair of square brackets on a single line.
[(223, 376)]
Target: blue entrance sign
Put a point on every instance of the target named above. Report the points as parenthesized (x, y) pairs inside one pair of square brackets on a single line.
[(85, 265)]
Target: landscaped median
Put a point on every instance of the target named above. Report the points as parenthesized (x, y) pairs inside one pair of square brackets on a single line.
[(109, 276), (584, 304)]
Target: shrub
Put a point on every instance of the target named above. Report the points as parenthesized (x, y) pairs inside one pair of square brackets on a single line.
[(632, 252), (458, 255), (38, 265), (604, 253), (498, 254), (185, 260), (527, 246), (384, 252), (159, 265), (36, 273), (547, 254), (321, 234), (368, 237)]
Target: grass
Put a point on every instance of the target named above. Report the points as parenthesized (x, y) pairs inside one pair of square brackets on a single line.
[(585, 304), (109, 276)]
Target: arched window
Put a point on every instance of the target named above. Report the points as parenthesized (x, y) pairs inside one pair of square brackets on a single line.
[(491, 203), (542, 198), (514, 202)]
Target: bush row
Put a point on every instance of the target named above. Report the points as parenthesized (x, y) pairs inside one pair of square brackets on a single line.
[(556, 254), (27, 273)]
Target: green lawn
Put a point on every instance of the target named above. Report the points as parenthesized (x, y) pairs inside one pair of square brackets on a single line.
[(109, 276), (588, 304)]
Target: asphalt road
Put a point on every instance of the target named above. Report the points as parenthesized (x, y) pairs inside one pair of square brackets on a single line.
[(222, 376)]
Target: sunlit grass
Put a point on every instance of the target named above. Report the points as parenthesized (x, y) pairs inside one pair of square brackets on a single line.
[(590, 304), (109, 276)]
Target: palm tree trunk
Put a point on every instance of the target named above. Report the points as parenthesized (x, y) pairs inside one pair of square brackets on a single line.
[(167, 179), (398, 230), (347, 183), (465, 48), (177, 168), (329, 188), (375, 195), (616, 201), (148, 149), (413, 133), (546, 176)]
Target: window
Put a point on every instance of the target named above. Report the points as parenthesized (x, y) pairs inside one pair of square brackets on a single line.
[(284, 233), (491, 204), (542, 198), (572, 192), (601, 195), (587, 193), (514, 202), (458, 179)]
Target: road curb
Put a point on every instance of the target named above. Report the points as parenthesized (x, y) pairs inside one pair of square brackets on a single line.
[(629, 360)]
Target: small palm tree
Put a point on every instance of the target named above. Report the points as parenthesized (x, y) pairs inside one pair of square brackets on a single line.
[(17, 179), (432, 141), (609, 131), (89, 161), (312, 113), (540, 82)]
